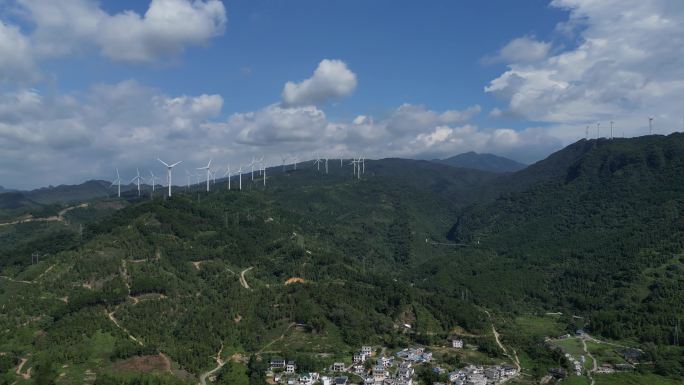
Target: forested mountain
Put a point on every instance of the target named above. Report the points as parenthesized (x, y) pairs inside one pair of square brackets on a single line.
[(314, 264), (483, 162), (601, 223)]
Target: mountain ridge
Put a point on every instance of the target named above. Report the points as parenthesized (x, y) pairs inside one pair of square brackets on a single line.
[(483, 162)]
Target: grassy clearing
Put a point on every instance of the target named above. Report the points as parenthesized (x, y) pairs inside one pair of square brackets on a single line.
[(572, 346), (539, 326), (604, 353)]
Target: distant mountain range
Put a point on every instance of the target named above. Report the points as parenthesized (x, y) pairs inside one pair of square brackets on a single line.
[(483, 162)]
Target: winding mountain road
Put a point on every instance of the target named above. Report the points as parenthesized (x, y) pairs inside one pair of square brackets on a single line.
[(513, 357), (219, 365)]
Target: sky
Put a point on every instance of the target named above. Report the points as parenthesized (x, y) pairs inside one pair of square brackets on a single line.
[(90, 86)]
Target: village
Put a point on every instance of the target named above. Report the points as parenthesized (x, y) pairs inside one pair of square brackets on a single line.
[(376, 367)]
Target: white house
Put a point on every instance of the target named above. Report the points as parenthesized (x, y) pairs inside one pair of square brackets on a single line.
[(366, 350), (326, 380), (338, 367), (290, 367), (457, 343), (359, 357), (277, 363)]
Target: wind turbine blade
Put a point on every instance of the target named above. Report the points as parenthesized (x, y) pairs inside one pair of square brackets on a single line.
[(175, 164), (164, 163)]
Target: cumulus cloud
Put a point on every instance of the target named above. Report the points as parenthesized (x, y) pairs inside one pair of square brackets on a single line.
[(16, 60), (331, 79), (521, 50), (410, 118), (68, 138), (73, 26), (627, 66), (275, 125)]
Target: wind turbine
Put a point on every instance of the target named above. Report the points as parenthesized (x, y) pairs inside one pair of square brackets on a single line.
[(207, 167), (117, 182), (153, 180), (283, 158), (650, 125), (137, 178), (228, 175), (587, 133), (295, 160), (251, 165), (363, 165), (240, 174), (598, 130), (261, 165), (354, 164), (326, 165), (168, 172), (188, 176), (264, 170), (611, 129), (317, 163)]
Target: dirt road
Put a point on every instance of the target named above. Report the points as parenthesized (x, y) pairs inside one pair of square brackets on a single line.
[(219, 365), (243, 281), (58, 218)]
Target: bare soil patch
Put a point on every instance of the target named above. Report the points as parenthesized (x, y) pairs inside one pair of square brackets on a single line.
[(145, 364)]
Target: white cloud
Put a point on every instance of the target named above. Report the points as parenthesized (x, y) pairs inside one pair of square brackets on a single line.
[(66, 138), (165, 30), (522, 50), (70, 138), (627, 65), (331, 79), (73, 26), (276, 125), (410, 118), (16, 61)]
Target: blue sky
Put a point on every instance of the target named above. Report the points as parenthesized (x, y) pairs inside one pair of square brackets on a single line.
[(402, 52), (86, 86)]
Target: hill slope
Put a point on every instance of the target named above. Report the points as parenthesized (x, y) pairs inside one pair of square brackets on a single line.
[(602, 223)]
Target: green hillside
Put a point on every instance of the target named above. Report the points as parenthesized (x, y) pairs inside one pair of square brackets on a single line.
[(313, 265)]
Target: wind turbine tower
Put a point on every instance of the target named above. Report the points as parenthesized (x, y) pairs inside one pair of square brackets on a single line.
[(117, 182), (598, 130), (137, 178), (228, 175), (153, 180), (251, 165), (207, 167), (169, 167), (650, 125), (611, 129)]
